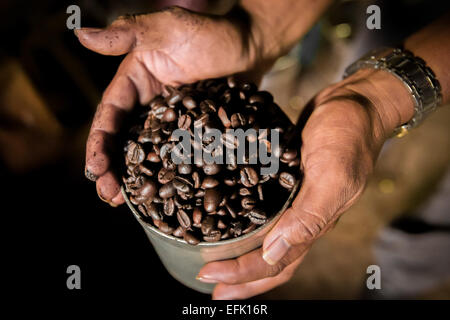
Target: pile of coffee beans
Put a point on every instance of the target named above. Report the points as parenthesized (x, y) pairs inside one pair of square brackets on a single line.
[(207, 201)]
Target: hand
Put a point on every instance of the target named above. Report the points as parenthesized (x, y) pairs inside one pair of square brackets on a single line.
[(341, 139), (170, 47)]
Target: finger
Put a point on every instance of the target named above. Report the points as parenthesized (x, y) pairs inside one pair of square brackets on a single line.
[(321, 199), (117, 39), (224, 291), (131, 80), (246, 268)]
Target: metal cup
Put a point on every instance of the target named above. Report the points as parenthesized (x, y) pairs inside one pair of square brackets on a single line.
[(183, 261)]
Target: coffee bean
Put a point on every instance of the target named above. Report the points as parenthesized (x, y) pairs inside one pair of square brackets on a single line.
[(201, 121), (178, 232), (221, 224), (184, 122), (169, 115), (153, 211), (288, 155), (143, 169), (294, 163), (190, 238), (257, 216), (230, 181), (146, 192), (200, 193), (250, 228), (236, 228), (182, 184), (169, 207), (213, 236), (175, 97), (189, 103), (287, 180), (207, 225), (165, 176), (196, 178), (238, 120), (260, 192), (248, 202), (262, 97), (221, 212), (167, 190), (197, 217), (249, 177), (209, 182), (231, 82), (184, 168), (231, 210), (153, 157), (164, 227), (229, 140), (169, 164), (211, 200), (222, 114), (211, 169), (244, 192), (135, 153), (184, 219), (164, 151), (207, 106)]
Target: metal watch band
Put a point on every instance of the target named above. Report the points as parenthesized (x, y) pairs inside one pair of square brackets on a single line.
[(412, 71)]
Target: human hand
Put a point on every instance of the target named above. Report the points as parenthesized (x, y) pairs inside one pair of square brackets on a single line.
[(340, 142), (170, 47)]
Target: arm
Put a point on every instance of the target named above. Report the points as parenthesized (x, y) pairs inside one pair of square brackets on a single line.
[(349, 123)]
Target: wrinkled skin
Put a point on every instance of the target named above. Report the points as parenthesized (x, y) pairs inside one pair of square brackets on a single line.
[(341, 137)]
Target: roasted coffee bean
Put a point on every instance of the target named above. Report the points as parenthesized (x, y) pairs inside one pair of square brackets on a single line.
[(221, 224), (211, 169), (288, 155), (231, 82), (143, 169), (164, 227), (145, 136), (226, 234), (294, 163), (153, 211), (236, 228), (178, 232), (207, 106), (207, 225), (135, 153), (287, 180), (231, 181), (199, 193), (158, 112), (182, 184), (146, 192), (257, 216), (213, 236), (165, 176), (164, 151), (169, 207), (211, 200), (249, 229), (158, 199), (238, 120), (231, 210), (260, 192), (209, 182), (189, 103), (222, 114), (229, 140), (196, 178), (190, 238), (197, 217), (153, 157), (223, 202), (244, 192), (169, 115), (167, 190), (169, 164), (248, 202), (184, 168), (184, 219), (221, 212), (249, 177), (175, 97), (201, 121), (184, 122)]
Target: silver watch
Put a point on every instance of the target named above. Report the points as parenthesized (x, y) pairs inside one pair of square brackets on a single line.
[(412, 71)]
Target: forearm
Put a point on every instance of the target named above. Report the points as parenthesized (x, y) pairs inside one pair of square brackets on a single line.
[(278, 25)]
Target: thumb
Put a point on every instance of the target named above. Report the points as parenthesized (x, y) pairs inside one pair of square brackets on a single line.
[(314, 211), (117, 39)]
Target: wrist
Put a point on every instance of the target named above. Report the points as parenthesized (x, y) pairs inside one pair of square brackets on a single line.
[(391, 100)]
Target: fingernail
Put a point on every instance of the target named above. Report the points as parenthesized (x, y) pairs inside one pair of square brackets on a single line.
[(90, 175), (112, 204), (276, 250), (206, 279)]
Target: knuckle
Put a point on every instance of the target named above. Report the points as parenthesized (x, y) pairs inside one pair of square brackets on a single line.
[(309, 225), (272, 271)]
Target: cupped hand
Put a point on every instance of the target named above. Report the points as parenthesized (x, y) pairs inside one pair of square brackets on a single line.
[(345, 127), (170, 47)]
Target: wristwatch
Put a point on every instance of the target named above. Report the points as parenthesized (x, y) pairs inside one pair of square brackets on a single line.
[(419, 79)]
